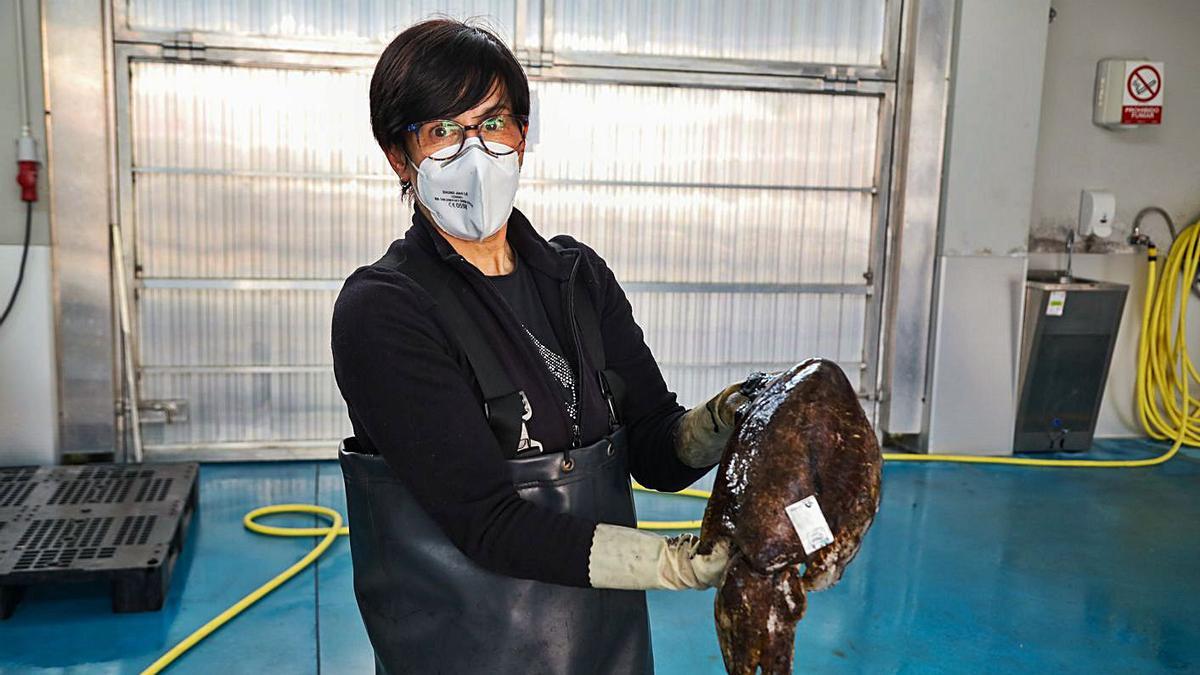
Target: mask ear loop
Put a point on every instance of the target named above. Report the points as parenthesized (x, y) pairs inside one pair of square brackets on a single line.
[(406, 186)]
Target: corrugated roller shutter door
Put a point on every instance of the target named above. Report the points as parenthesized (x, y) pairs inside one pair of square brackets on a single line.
[(740, 222)]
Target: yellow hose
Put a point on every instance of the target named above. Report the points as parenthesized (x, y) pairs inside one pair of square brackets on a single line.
[(328, 533), (1165, 408), (672, 524)]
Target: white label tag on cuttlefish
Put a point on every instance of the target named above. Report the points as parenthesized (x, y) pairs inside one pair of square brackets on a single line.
[(810, 524)]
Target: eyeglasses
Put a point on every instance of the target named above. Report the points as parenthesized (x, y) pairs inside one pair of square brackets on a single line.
[(444, 139)]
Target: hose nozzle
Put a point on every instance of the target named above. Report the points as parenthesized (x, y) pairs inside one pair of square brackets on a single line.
[(1139, 238)]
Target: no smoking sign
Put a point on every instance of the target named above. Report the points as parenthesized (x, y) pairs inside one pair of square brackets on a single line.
[(1142, 98)]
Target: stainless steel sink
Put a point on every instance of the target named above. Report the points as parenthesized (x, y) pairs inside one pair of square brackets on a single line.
[(1066, 349), (1064, 281)]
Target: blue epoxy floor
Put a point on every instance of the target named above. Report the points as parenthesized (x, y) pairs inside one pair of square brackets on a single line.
[(968, 569)]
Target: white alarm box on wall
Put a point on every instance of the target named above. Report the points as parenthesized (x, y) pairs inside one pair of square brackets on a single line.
[(1129, 93)]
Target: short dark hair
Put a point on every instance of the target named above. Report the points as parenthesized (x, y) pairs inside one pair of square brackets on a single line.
[(440, 68)]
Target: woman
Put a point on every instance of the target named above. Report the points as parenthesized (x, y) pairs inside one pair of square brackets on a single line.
[(501, 395)]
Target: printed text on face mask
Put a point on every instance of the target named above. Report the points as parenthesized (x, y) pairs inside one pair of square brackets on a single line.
[(455, 199)]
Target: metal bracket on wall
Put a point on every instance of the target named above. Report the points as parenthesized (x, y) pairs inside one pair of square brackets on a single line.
[(841, 80), (163, 411), (534, 61), (184, 46)]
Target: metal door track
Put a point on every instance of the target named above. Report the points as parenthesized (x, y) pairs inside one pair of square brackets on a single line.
[(125, 523)]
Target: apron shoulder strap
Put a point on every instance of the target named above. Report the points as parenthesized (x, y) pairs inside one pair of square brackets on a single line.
[(588, 319), (504, 404)]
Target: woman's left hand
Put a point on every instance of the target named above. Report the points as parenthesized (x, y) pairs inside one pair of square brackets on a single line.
[(704, 430)]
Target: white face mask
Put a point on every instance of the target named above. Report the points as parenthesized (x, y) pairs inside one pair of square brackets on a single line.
[(470, 196)]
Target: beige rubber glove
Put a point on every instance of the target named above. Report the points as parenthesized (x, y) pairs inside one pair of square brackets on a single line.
[(704, 430), (629, 559)]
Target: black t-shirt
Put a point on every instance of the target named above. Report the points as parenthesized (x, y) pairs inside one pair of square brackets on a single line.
[(521, 293)]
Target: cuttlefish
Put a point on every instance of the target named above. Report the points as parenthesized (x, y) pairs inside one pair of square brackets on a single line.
[(802, 457)]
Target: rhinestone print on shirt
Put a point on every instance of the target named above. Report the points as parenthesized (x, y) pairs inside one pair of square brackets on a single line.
[(561, 370)]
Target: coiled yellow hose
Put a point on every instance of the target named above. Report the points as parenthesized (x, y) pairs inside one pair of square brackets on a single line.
[(1165, 407)]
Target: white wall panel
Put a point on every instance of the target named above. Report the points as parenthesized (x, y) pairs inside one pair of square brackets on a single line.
[(666, 234), (374, 20), (199, 328), (973, 393), (214, 226), (28, 382), (263, 407), (610, 132), (749, 330), (805, 31), (214, 117)]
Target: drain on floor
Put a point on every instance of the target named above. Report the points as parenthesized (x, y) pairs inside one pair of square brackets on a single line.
[(125, 524)]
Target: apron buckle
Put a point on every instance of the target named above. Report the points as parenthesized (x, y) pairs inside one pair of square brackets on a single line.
[(606, 391)]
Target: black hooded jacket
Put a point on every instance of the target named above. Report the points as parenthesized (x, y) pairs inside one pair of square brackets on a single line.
[(413, 399)]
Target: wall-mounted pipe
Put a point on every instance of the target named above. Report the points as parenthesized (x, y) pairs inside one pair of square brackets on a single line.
[(22, 74), (1137, 237), (27, 152)]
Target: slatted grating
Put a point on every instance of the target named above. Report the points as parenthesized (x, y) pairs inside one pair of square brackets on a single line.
[(112, 487), (126, 523), (15, 486)]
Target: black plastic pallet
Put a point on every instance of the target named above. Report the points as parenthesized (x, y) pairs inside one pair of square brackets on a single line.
[(125, 523)]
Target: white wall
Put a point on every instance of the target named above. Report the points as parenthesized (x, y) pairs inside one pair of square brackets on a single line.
[(992, 136), (12, 209), (28, 395), (986, 197), (28, 408), (1159, 166)]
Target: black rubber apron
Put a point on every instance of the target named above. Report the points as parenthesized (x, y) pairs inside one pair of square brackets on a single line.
[(430, 609)]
